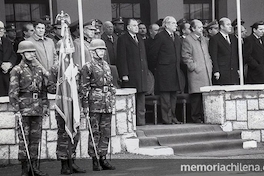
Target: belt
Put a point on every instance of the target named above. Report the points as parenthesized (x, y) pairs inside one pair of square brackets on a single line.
[(103, 88), (34, 95)]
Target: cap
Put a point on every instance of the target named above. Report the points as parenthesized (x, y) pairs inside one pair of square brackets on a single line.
[(10, 27), (118, 21), (98, 23), (46, 18), (90, 25), (212, 24), (234, 23), (182, 21), (73, 26)]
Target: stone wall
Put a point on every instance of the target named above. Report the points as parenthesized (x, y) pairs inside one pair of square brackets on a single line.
[(236, 108), (123, 126)]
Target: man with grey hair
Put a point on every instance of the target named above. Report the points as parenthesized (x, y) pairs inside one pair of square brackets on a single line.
[(223, 49), (110, 39), (166, 55)]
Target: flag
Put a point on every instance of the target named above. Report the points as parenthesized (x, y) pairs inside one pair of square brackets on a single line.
[(66, 99)]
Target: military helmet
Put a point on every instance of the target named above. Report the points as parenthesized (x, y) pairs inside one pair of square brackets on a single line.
[(97, 44), (25, 46)]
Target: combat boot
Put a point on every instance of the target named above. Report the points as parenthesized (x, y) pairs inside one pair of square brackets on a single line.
[(77, 169), (24, 165), (105, 165), (96, 165), (65, 170), (36, 171)]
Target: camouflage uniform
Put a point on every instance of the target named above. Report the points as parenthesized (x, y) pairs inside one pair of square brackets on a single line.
[(28, 95), (63, 140), (98, 95)]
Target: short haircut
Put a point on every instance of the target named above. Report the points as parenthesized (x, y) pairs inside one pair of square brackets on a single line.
[(129, 20), (24, 27), (256, 24), (166, 20), (39, 21)]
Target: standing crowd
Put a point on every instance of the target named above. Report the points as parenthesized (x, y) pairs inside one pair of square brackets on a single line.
[(182, 56)]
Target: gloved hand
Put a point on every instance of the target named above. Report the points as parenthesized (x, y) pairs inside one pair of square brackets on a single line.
[(85, 111), (46, 111)]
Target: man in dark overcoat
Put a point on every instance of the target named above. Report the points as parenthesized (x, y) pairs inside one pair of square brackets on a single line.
[(166, 54), (224, 54), (7, 61), (132, 66), (254, 54)]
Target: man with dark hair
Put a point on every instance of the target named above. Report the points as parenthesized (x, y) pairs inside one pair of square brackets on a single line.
[(142, 31), (132, 66), (223, 49), (184, 29), (254, 54), (27, 30), (7, 61), (166, 55), (45, 47)]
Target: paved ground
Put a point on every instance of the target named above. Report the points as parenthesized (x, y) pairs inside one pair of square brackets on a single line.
[(138, 165)]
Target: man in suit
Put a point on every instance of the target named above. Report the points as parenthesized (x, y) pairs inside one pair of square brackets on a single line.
[(132, 66), (223, 49), (166, 54), (153, 30), (196, 56), (254, 54), (110, 39), (7, 61)]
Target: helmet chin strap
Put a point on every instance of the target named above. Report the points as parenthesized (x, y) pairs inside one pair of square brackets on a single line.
[(97, 54)]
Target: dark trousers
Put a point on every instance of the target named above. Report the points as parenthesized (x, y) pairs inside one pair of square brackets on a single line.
[(140, 108), (101, 128), (197, 107), (32, 130), (63, 142), (168, 102), (4, 83)]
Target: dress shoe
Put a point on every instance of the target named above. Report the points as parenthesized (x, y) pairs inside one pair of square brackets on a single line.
[(175, 121)]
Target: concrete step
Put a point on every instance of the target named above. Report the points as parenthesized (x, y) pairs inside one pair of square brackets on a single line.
[(205, 146), (186, 137), (153, 130)]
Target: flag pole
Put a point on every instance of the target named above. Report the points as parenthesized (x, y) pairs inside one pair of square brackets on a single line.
[(81, 31), (51, 11), (240, 55), (213, 10)]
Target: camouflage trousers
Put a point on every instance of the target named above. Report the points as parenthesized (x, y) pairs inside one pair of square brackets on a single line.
[(101, 128), (32, 129), (64, 142)]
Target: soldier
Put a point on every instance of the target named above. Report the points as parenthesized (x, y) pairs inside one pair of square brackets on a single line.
[(63, 140), (88, 32), (98, 98), (119, 26), (28, 96)]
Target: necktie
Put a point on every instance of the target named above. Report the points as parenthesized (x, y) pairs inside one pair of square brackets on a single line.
[(227, 39), (111, 38), (172, 36), (135, 38), (260, 41)]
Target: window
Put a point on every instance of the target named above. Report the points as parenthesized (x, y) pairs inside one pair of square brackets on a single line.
[(21, 11), (126, 10), (198, 9)]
